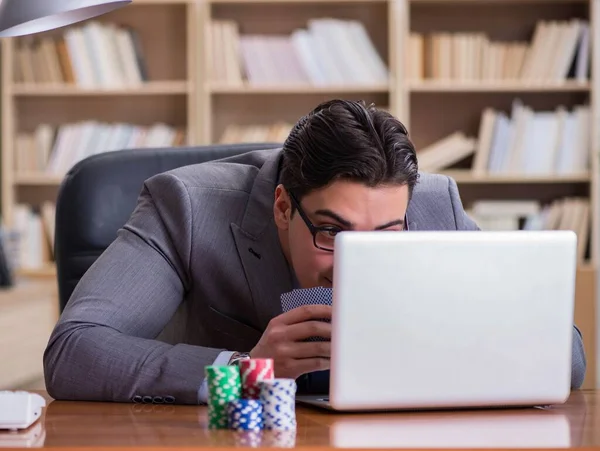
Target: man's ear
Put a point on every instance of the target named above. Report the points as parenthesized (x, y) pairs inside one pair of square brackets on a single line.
[(282, 208)]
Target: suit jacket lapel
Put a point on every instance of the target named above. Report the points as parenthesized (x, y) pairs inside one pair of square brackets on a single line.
[(258, 246)]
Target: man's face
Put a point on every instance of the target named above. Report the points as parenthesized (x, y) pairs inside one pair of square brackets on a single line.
[(342, 205)]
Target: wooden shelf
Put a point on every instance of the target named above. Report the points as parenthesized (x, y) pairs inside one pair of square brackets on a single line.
[(45, 271), (307, 2), (146, 89), (467, 177), (298, 89), (461, 176), (587, 267), (487, 2), (34, 179), (493, 87), (162, 2)]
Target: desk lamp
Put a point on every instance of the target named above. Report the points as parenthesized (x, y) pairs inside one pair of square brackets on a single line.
[(21, 17), (19, 409)]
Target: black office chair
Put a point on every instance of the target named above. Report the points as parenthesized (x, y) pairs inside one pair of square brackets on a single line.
[(99, 193)]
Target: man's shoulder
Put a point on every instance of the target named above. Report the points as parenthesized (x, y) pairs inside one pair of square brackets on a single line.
[(234, 173), (436, 203), (432, 184)]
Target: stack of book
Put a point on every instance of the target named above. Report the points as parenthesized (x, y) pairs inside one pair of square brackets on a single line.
[(559, 50), (54, 150), (95, 55), (566, 213), (325, 53), (524, 143)]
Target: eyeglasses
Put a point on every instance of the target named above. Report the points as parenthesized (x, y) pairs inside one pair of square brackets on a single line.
[(323, 236)]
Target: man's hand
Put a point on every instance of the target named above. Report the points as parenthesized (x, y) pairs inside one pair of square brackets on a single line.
[(283, 341)]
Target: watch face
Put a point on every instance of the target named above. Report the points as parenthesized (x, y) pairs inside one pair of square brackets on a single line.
[(237, 357), (241, 357)]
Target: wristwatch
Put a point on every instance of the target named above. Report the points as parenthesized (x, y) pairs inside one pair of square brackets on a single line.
[(236, 357)]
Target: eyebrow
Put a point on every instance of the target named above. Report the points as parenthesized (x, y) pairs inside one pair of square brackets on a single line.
[(350, 225)]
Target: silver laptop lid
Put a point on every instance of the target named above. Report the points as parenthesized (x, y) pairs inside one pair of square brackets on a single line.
[(447, 319)]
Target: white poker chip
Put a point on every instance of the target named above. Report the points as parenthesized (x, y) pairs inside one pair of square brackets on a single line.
[(278, 398)]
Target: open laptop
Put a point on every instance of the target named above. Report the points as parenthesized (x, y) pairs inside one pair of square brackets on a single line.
[(428, 320)]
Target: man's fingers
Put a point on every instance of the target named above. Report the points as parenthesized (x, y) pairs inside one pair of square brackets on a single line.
[(302, 331), (305, 313), (310, 349)]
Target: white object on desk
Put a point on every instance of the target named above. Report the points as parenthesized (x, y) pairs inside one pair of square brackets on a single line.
[(20, 409)]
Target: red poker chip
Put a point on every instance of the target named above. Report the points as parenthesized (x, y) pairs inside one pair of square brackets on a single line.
[(253, 371)]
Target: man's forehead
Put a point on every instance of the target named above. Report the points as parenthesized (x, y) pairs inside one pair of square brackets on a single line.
[(360, 208), (344, 192)]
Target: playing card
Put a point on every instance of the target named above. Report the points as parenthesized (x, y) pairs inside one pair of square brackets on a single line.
[(305, 296)]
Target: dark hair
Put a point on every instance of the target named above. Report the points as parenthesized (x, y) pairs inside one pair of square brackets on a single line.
[(343, 139)]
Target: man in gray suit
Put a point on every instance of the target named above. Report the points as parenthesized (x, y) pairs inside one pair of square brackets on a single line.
[(195, 276)]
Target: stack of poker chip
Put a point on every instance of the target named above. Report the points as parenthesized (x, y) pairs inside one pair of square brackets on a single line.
[(278, 398), (252, 372), (224, 386), (246, 413), (249, 399)]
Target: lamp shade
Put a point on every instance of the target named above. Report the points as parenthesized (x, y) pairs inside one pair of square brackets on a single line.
[(21, 17)]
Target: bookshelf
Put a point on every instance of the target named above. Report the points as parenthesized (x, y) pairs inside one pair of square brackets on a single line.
[(125, 79), (242, 70)]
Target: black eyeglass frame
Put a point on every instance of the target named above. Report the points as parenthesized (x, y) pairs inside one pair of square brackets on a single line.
[(316, 229)]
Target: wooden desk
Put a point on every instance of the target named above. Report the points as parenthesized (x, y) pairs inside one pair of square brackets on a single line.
[(144, 426)]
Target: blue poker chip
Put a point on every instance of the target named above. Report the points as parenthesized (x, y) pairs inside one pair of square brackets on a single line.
[(245, 415)]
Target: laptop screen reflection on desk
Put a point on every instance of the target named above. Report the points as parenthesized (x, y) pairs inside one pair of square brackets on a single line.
[(514, 429)]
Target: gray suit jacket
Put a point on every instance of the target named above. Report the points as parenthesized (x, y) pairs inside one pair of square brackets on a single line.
[(196, 270)]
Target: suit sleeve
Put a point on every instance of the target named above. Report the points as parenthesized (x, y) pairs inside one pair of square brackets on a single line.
[(464, 222), (104, 346), (578, 364)]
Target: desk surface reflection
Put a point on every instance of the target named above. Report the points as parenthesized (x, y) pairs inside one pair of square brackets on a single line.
[(98, 425)]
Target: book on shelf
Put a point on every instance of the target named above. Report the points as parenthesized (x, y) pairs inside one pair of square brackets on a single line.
[(446, 152), (95, 55), (31, 241), (524, 143), (565, 213), (322, 54), (559, 50), (54, 150)]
